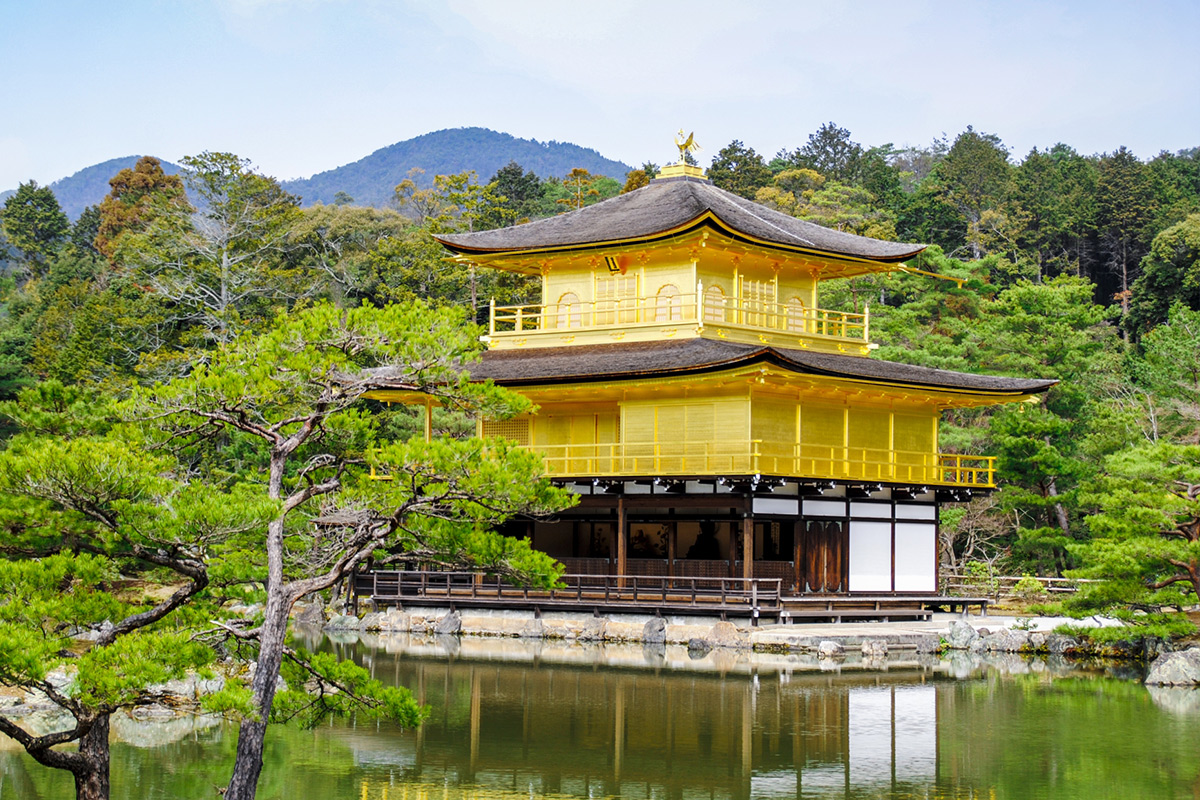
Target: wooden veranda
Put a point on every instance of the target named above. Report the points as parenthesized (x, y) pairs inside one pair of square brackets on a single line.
[(755, 599)]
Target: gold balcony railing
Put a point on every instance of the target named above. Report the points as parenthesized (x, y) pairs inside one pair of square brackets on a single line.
[(756, 457), (571, 317), (632, 459)]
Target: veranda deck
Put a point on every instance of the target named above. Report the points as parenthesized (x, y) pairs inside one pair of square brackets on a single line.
[(756, 599)]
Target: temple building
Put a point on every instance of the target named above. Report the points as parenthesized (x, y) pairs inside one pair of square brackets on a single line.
[(714, 418)]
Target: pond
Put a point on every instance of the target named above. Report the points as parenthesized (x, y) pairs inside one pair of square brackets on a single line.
[(523, 720)]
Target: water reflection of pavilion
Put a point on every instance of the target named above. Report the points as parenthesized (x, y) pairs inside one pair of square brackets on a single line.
[(589, 732)]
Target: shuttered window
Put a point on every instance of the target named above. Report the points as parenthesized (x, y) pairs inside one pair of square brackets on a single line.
[(515, 430)]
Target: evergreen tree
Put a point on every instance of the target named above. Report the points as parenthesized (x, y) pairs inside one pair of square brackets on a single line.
[(1170, 273), (1146, 546), (34, 225), (85, 230), (1125, 210), (83, 503), (290, 402), (518, 195), (137, 196), (222, 267), (831, 152), (975, 175), (738, 169)]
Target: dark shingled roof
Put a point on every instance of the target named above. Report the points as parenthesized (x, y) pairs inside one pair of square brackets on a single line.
[(667, 207), (606, 362)]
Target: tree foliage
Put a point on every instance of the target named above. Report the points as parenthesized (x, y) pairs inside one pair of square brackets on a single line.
[(34, 225), (829, 151), (1146, 529), (137, 196), (256, 469), (739, 169), (218, 266), (289, 401), (1170, 273), (83, 505)]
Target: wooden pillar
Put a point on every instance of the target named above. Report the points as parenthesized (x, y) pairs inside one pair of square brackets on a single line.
[(672, 538), (622, 543), (799, 529), (748, 546), (429, 420)]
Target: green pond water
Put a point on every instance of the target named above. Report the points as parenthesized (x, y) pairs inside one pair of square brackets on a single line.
[(523, 720)]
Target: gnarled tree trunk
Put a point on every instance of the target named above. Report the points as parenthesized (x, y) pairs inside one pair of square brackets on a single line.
[(92, 774)]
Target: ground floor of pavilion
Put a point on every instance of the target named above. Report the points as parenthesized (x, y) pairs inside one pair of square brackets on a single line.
[(757, 547), (819, 538)]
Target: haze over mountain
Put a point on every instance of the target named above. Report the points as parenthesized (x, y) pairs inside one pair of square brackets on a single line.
[(372, 180)]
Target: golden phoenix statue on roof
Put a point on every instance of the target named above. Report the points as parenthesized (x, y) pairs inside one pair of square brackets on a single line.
[(686, 145)]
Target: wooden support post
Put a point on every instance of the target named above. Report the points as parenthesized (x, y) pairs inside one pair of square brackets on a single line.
[(748, 546), (672, 537), (622, 543), (428, 420)]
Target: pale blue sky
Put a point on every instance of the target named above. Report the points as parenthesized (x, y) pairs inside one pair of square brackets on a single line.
[(301, 86)]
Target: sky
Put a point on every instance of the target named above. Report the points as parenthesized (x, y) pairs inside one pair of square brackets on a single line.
[(302, 86)]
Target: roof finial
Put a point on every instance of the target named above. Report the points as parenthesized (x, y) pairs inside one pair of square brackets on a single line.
[(686, 145)]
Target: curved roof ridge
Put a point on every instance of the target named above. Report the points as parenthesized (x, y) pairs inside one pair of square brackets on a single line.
[(667, 208), (761, 218)]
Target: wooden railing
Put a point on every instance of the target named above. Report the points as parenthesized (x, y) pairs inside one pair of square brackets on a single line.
[(996, 586), (766, 458), (568, 317), (717, 595)]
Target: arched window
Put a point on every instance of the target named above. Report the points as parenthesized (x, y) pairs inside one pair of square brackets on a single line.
[(568, 313), (714, 304), (667, 305), (796, 316)]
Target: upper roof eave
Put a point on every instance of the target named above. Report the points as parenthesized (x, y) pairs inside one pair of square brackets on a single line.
[(608, 362), (706, 220), (669, 208)]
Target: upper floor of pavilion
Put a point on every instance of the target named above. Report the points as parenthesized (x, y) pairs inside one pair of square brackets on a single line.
[(679, 258)]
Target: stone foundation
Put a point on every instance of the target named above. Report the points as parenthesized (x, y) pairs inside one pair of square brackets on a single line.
[(618, 628)]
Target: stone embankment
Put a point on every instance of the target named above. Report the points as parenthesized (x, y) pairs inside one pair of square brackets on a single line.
[(871, 641), (698, 635), (964, 636)]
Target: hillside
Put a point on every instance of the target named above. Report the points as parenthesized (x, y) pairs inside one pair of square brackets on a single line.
[(372, 180)]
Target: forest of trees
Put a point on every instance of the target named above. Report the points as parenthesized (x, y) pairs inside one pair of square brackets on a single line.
[(152, 306)]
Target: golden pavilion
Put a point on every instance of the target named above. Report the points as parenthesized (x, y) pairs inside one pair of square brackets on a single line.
[(714, 418)]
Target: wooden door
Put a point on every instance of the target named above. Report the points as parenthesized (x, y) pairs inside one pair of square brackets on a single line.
[(821, 563)]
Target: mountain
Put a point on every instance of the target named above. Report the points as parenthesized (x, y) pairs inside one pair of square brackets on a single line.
[(372, 180), (88, 186)]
